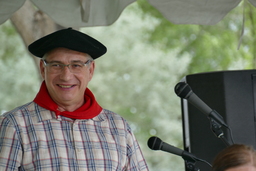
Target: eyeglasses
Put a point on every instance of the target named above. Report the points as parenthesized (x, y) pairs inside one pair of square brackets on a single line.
[(74, 67)]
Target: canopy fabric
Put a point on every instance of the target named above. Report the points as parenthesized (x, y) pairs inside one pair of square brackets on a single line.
[(71, 13), (8, 7), (253, 2), (202, 12), (86, 13)]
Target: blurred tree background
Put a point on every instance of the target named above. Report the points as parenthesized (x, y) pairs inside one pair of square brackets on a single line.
[(147, 55)]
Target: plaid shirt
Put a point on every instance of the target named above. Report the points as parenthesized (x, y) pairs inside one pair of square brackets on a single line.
[(32, 138)]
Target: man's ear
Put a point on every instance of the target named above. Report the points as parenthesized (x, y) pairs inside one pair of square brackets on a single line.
[(42, 69), (91, 69)]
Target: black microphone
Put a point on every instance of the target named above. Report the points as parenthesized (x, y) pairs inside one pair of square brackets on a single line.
[(155, 143), (184, 91)]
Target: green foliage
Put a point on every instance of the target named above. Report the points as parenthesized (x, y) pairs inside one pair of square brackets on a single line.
[(211, 48), (19, 81), (8, 42)]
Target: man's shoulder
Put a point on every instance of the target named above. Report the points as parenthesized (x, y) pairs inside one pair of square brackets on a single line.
[(28, 111), (18, 109), (111, 114), (12, 116)]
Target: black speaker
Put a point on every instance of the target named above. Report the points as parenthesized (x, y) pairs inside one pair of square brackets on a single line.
[(233, 95)]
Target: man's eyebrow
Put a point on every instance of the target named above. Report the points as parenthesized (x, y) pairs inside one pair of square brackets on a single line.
[(56, 61), (78, 61)]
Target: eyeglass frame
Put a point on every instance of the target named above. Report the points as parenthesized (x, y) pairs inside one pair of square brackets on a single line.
[(88, 62)]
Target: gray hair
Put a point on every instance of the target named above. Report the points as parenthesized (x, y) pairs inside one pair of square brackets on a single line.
[(46, 54)]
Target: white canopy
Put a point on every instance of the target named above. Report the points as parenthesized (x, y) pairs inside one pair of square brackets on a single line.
[(85, 13)]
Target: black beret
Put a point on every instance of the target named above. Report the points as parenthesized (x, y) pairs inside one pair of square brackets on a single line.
[(70, 39)]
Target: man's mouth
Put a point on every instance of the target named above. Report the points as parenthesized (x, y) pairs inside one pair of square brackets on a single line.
[(65, 86)]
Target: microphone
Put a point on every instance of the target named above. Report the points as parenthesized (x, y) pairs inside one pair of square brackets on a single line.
[(155, 143), (184, 91)]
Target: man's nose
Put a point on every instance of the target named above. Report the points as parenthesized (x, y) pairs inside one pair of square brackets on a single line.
[(66, 73)]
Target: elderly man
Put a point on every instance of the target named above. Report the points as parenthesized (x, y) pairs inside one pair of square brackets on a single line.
[(64, 128)]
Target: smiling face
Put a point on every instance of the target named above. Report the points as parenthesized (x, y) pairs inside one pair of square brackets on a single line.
[(67, 88)]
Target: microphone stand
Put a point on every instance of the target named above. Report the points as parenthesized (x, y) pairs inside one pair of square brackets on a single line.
[(190, 161), (218, 132), (190, 165)]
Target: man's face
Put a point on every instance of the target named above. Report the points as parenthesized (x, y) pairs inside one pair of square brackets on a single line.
[(67, 88)]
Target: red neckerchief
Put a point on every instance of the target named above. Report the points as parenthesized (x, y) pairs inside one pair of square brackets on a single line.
[(89, 109)]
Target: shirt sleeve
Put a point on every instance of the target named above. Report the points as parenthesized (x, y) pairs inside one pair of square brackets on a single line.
[(10, 146), (135, 159)]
